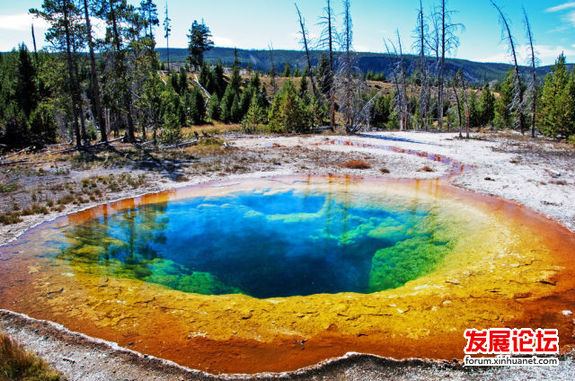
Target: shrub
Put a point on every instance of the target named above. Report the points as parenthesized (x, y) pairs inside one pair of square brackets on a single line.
[(18, 364)]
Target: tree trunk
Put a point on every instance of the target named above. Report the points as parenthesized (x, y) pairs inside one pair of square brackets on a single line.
[(71, 77), (94, 77), (331, 68), (518, 90), (442, 67), (533, 77), (422, 68), (305, 44), (127, 97), (458, 108)]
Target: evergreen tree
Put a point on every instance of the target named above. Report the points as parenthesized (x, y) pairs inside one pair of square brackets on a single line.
[(214, 110), (474, 110), (16, 127), (303, 88), (287, 70), (206, 78), (196, 106), (183, 82), (324, 74), (199, 43), (255, 117), (381, 110), (487, 105), (558, 101), (227, 103), (26, 89), (149, 12), (219, 79), (42, 124), (122, 27), (503, 105), (288, 113), (236, 79), (66, 34)]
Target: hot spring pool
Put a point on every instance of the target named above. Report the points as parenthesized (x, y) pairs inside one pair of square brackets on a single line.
[(268, 242), (293, 270)]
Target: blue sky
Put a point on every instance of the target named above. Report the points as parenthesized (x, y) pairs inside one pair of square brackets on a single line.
[(259, 23)]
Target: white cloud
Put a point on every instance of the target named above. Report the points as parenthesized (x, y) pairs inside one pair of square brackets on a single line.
[(20, 22), (546, 54), (223, 42), (561, 7), (571, 17)]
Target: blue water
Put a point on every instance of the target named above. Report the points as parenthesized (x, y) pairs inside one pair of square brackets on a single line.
[(260, 244)]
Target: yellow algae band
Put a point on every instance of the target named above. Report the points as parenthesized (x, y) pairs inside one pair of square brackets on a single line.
[(417, 263)]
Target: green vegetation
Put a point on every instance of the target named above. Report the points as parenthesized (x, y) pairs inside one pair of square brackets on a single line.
[(558, 101), (86, 87), (17, 364), (378, 63)]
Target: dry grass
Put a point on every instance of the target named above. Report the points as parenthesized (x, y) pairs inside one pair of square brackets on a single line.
[(20, 365), (356, 164), (7, 188), (207, 147), (214, 128)]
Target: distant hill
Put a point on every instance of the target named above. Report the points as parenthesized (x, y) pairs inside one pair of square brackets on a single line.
[(476, 72)]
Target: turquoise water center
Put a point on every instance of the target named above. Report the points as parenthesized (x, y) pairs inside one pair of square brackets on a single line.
[(265, 242)]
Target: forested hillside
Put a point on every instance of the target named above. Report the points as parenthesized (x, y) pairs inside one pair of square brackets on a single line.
[(475, 72), (86, 86)]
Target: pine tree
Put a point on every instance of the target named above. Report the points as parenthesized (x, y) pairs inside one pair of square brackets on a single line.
[(558, 101), (503, 105), (214, 110), (26, 89), (324, 74), (288, 113), (149, 12), (487, 105), (206, 78), (199, 43), (42, 124), (303, 88), (227, 103), (255, 117), (219, 79), (183, 82), (287, 70)]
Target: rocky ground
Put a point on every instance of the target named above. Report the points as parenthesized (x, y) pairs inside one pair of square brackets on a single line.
[(41, 186)]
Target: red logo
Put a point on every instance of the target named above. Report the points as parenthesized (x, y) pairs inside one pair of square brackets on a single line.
[(512, 341)]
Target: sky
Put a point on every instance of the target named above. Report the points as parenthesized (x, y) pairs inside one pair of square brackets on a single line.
[(258, 24)]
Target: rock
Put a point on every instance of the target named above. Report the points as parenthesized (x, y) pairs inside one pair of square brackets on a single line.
[(567, 313)]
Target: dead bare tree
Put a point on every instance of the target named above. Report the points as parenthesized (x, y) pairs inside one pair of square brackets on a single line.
[(447, 41), (517, 104), (454, 84), (305, 43), (399, 79), (351, 87), (421, 33), (326, 41), (532, 88), (462, 101)]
